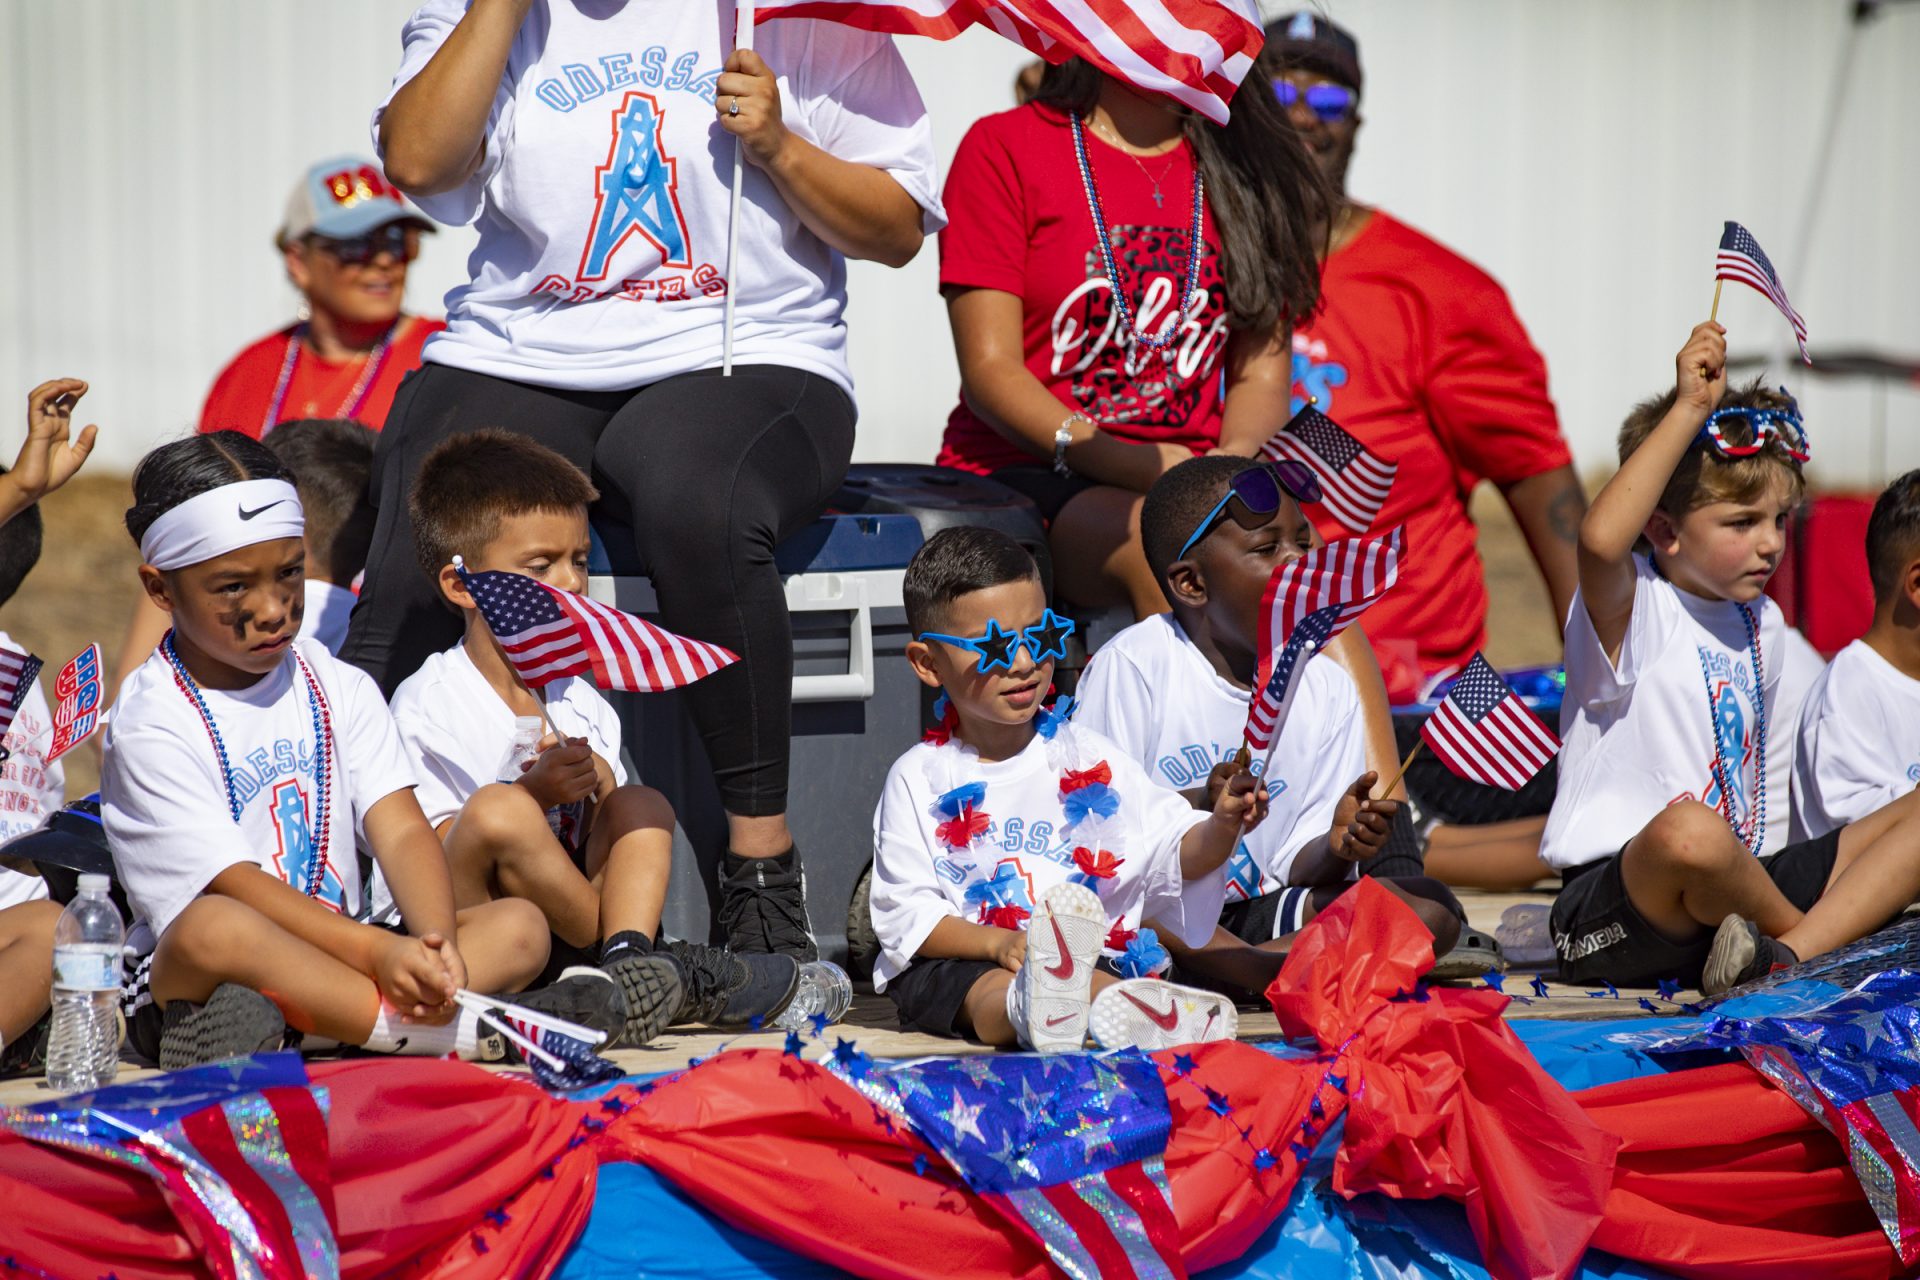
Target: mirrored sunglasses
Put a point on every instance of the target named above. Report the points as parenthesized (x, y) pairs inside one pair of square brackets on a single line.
[(1045, 639), (397, 239), (1330, 102), (1253, 496)]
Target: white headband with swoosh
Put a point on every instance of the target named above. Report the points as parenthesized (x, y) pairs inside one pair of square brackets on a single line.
[(221, 520)]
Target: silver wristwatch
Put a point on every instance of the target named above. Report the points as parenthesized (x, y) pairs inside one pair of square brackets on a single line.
[(1064, 437)]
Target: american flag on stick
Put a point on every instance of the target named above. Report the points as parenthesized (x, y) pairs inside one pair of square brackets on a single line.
[(1319, 595), (1354, 483), (548, 633), (1194, 51), (18, 671), (1741, 259), (1482, 731)]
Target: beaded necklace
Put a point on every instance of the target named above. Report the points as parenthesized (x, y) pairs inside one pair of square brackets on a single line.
[(1753, 832), (1191, 299), (323, 753), (370, 368)]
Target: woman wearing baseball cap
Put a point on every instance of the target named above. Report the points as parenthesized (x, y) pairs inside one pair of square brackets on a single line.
[(347, 239)]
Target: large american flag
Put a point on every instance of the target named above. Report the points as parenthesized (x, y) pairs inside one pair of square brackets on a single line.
[(548, 633), (1339, 580), (18, 671), (1194, 51), (1483, 731), (1741, 259), (1353, 482)]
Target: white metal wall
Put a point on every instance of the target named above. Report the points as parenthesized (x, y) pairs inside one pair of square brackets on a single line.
[(1585, 153)]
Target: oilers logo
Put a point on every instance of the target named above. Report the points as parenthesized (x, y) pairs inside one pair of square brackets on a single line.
[(292, 860), (636, 192), (1735, 749)]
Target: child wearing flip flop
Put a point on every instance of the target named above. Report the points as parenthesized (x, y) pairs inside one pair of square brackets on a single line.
[(243, 770), (1674, 661), (1017, 856), (1173, 692), (566, 831)]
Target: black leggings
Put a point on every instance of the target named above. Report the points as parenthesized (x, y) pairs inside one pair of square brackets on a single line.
[(709, 473)]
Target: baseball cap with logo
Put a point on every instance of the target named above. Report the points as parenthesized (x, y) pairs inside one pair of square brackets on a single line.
[(344, 197), (1307, 40)]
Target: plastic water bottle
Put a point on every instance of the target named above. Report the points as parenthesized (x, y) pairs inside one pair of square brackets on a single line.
[(525, 749), (84, 1051), (824, 989)]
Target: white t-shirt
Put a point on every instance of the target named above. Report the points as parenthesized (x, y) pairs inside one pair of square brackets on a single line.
[(1638, 734), (1028, 844), (1156, 695), (602, 199), (30, 788), (1859, 742), (328, 608), (165, 804), (1801, 668)]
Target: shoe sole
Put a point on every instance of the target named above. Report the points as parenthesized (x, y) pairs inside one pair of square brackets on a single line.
[(1733, 950), (651, 986), (1069, 914), (1146, 1013), (235, 1021)]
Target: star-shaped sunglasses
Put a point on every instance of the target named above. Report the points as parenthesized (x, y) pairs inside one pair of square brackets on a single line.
[(1741, 433), (1045, 639), (1258, 492)]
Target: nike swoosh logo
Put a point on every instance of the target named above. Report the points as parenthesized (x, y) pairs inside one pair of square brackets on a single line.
[(248, 515), (1165, 1021), (1063, 1018), (1064, 970)]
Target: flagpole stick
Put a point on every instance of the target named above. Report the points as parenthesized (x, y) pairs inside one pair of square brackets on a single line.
[(742, 39), (1713, 316), (1404, 765), (460, 567)]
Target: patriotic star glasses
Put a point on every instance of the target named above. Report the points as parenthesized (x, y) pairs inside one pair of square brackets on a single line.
[(1254, 495), (1741, 433), (1330, 102), (1045, 639)]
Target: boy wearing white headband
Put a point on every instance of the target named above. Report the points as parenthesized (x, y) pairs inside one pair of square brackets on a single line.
[(243, 767)]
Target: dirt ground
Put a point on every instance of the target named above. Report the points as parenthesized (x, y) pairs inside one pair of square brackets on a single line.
[(84, 589)]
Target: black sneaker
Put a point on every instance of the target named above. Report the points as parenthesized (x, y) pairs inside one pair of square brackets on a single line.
[(651, 986), (235, 1021), (27, 1056), (725, 989), (1742, 953), (584, 995), (763, 906)]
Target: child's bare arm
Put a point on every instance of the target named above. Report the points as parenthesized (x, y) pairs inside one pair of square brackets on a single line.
[(1238, 809), (1359, 831), (353, 944), (1620, 513), (415, 865), (957, 939)]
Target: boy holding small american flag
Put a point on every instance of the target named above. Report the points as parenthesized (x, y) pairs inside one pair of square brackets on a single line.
[(501, 524)]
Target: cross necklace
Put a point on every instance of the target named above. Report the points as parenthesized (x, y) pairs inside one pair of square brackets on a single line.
[(1159, 198)]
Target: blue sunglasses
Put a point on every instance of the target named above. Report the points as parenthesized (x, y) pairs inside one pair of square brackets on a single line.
[(1045, 639), (1258, 489), (1330, 102)]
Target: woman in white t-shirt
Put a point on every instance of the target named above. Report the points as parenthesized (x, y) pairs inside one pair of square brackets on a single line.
[(592, 147)]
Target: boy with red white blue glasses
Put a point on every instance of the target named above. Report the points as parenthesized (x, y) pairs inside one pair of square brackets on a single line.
[(1022, 867), (1674, 660)]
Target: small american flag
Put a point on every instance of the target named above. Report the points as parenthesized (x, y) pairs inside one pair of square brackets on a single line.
[(1353, 482), (578, 1066), (1194, 51), (1338, 580), (1742, 260), (18, 671), (548, 633), (1483, 731)]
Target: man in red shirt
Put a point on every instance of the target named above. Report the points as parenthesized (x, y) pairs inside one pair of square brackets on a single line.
[(1418, 354)]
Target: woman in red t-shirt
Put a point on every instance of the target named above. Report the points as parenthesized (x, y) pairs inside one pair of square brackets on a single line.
[(1081, 379)]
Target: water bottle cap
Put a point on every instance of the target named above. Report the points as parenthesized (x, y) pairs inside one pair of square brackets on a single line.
[(94, 884)]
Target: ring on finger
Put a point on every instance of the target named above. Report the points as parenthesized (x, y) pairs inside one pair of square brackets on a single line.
[(733, 106)]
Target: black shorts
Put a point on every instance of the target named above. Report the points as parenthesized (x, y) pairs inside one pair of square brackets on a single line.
[(1049, 490), (929, 995), (1601, 936)]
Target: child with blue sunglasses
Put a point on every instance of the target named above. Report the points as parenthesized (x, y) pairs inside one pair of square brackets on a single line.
[(1023, 868)]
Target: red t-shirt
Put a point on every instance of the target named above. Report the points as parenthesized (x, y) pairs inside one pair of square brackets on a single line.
[(1018, 222), (243, 393), (1418, 354)]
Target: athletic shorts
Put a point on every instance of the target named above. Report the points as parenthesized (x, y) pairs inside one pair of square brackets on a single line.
[(1601, 936), (930, 995)]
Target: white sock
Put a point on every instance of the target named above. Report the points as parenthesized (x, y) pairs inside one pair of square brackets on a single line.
[(459, 1038)]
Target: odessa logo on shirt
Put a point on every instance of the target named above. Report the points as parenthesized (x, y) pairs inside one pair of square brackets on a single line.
[(1730, 690)]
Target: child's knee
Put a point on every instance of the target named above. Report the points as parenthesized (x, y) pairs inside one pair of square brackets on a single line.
[(513, 932), (499, 815), (1687, 837), (217, 936), (637, 808), (32, 922)]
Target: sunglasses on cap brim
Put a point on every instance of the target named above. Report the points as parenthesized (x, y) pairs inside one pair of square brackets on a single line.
[(1742, 432), (1045, 639), (1253, 496)]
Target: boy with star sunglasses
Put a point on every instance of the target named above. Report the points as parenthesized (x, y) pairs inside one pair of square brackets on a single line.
[(1023, 868)]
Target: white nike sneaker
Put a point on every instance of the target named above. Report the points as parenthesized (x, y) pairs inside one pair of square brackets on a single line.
[(1146, 1013), (1047, 1001)]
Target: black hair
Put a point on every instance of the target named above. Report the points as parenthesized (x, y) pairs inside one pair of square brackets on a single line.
[(1893, 535), (1177, 502), (332, 464), (1271, 205), (956, 561), (19, 548), (474, 480), (183, 469)]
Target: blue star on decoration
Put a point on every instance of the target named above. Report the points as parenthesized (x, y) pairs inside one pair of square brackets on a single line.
[(1649, 1005), (1498, 981), (819, 1022), (1217, 1102), (848, 1057), (920, 1166), (1669, 988), (1183, 1064), (793, 1046), (1263, 1159), (1539, 985)]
